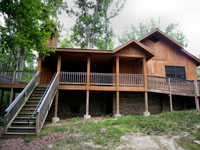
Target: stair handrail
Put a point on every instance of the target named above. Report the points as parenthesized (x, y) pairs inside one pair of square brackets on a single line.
[(18, 102), (42, 98), (46, 102)]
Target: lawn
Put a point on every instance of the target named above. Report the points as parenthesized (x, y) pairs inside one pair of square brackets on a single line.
[(107, 133)]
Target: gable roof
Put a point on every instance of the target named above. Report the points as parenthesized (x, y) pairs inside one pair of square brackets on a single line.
[(158, 31), (149, 51)]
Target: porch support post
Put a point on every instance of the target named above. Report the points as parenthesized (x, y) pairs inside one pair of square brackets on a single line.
[(12, 90), (146, 113), (2, 96), (39, 68), (117, 91), (55, 118), (170, 95), (87, 116), (196, 88)]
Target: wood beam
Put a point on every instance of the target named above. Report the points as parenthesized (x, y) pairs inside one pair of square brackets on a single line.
[(56, 105), (196, 88), (88, 72), (146, 113), (59, 67), (117, 72), (87, 102), (170, 95), (39, 68), (2, 96), (117, 88), (57, 92), (117, 102)]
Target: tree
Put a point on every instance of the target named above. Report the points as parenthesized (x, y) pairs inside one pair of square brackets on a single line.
[(27, 27), (136, 32), (65, 43), (92, 22)]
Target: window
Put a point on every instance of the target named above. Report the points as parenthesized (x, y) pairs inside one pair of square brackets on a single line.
[(154, 39), (175, 72)]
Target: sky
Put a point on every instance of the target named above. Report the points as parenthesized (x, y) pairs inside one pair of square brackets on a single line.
[(186, 12)]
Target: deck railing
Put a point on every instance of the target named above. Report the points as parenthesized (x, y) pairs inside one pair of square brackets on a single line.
[(11, 76), (177, 85), (131, 80), (73, 77), (102, 79), (46, 102), (18, 102)]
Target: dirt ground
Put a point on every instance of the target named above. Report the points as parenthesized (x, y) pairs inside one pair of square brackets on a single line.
[(135, 141), (129, 142)]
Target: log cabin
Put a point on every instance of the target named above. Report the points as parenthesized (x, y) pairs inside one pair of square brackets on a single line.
[(144, 76)]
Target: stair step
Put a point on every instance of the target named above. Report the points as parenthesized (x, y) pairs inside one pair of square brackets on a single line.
[(37, 94), (34, 98), (16, 134), (32, 102), (25, 114), (23, 124), (27, 110), (24, 119), (22, 129), (30, 107)]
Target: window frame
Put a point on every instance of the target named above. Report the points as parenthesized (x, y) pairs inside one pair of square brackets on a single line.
[(175, 68)]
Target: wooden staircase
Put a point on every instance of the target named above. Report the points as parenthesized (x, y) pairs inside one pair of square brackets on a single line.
[(22, 123)]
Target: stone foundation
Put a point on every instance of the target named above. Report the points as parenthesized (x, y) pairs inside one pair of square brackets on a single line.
[(73, 103)]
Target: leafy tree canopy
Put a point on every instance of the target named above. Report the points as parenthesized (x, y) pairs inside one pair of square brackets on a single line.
[(136, 32), (27, 26), (92, 29)]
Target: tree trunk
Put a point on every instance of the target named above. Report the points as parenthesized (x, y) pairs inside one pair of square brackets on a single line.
[(21, 63)]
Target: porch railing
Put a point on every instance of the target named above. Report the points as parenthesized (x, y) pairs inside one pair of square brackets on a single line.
[(177, 85), (102, 79), (46, 102), (131, 80), (11, 76), (73, 77), (20, 99)]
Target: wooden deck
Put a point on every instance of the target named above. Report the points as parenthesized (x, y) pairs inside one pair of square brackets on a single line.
[(127, 82), (107, 82)]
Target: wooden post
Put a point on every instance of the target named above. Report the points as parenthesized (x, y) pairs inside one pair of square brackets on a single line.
[(196, 88), (39, 68), (117, 87), (59, 67), (55, 118), (170, 94), (12, 90), (87, 103), (87, 116), (37, 124), (146, 113), (56, 105), (2, 95)]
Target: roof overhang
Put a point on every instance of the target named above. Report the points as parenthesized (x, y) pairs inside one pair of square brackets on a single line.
[(180, 47)]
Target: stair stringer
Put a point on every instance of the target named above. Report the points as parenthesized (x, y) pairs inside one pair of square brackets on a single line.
[(26, 99), (38, 131)]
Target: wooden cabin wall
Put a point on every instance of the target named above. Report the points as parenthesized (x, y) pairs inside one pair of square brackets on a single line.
[(48, 70), (167, 54), (132, 65)]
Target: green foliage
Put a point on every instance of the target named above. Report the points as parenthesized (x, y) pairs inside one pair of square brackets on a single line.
[(136, 32), (92, 28), (66, 42), (108, 132), (27, 25)]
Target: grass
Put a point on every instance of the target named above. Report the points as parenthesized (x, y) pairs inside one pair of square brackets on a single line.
[(108, 132)]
